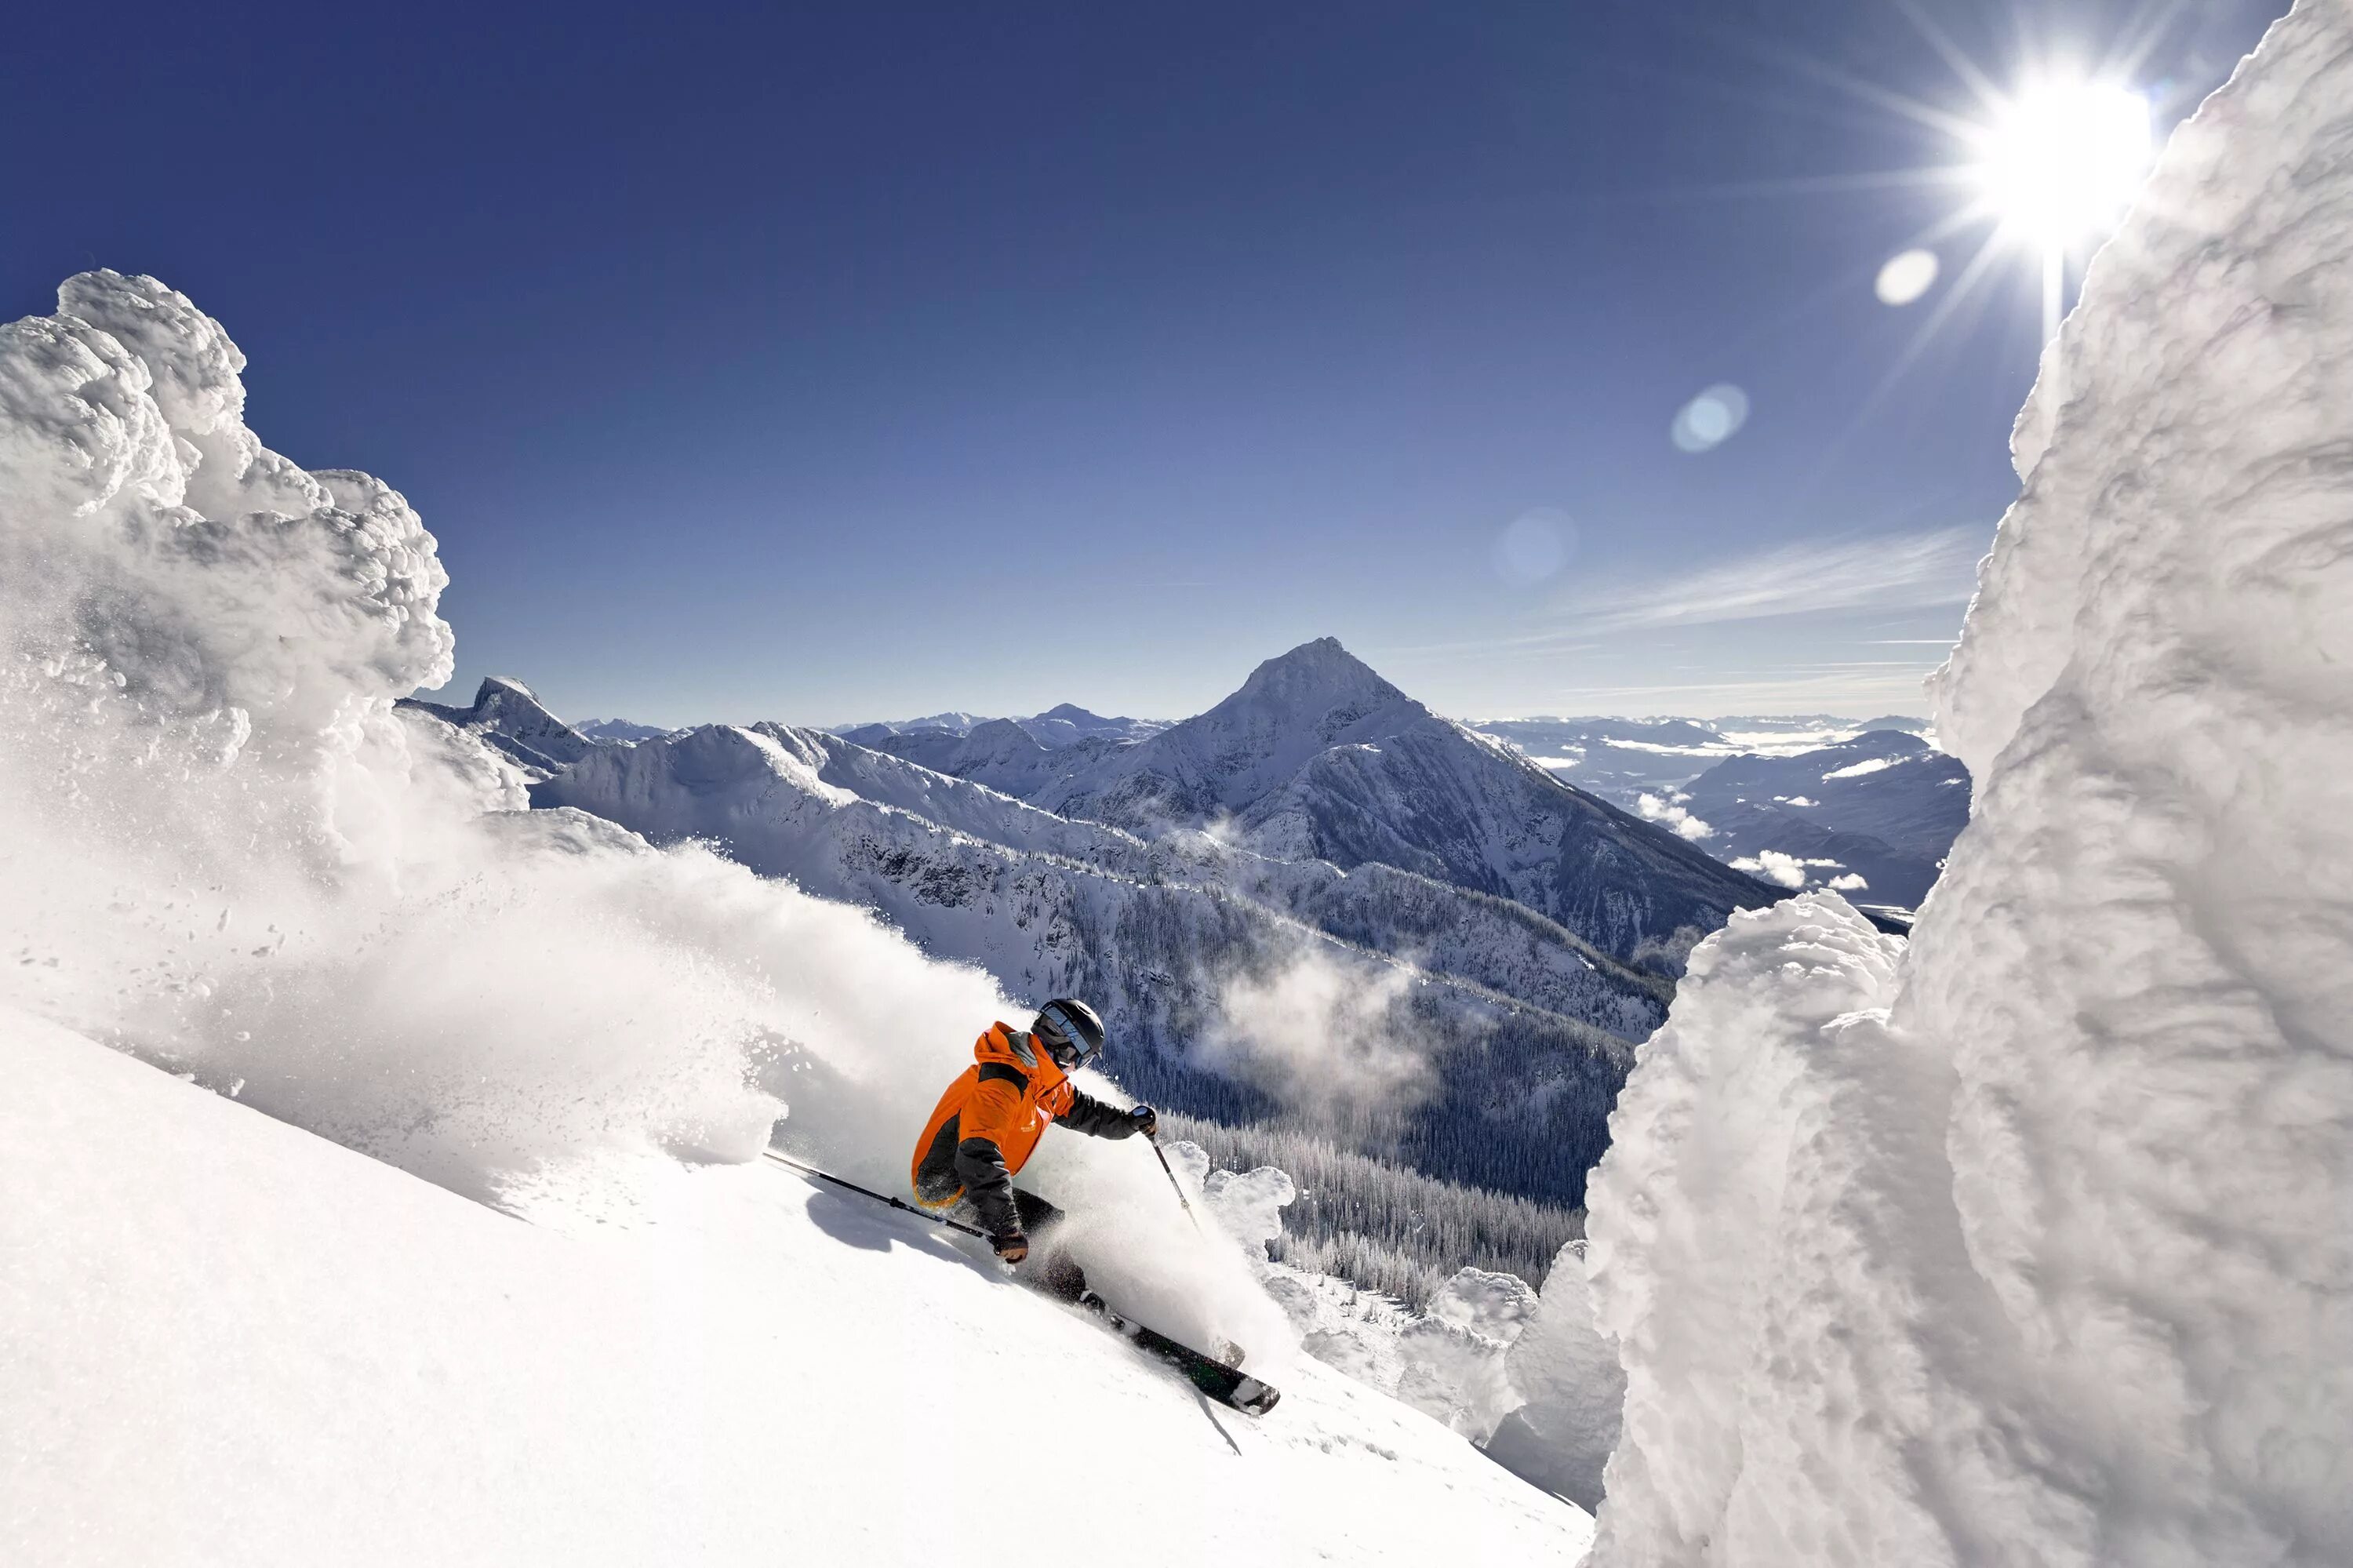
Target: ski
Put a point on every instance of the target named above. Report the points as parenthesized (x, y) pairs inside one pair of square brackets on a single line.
[(1227, 1384)]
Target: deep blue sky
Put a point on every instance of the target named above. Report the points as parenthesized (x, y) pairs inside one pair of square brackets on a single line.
[(856, 361)]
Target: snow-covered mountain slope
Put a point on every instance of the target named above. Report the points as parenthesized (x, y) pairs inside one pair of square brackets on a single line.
[(2027, 1243), (1518, 1032), (508, 716), (1318, 757), (223, 1340)]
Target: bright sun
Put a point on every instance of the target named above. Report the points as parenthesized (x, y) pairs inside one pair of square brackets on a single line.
[(2061, 161)]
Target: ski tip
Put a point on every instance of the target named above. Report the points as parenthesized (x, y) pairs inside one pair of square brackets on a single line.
[(1254, 1396)]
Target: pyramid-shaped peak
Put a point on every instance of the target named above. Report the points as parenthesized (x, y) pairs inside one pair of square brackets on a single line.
[(1321, 672), (500, 685), (1071, 713)]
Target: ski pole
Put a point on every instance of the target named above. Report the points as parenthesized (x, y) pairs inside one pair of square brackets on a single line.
[(880, 1198), (1179, 1187)]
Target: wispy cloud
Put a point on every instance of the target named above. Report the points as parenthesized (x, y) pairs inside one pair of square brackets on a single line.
[(1858, 572), (1850, 572)]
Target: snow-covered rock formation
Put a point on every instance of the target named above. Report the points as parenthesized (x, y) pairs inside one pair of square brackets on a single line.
[(1564, 1373), (2030, 1244)]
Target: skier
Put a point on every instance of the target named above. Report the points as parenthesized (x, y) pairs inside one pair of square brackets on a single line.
[(985, 1125)]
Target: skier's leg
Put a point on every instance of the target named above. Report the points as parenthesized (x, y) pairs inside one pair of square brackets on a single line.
[(1050, 1264)]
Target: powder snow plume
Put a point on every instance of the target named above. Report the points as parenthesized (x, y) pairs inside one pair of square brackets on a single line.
[(2029, 1243), (226, 853)]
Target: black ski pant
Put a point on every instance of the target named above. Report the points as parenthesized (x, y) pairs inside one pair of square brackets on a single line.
[(1048, 1267)]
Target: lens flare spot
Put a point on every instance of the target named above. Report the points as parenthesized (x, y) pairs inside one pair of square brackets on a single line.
[(1710, 419), (1906, 277), (1534, 545)]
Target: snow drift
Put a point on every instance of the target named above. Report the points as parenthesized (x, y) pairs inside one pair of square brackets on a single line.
[(2029, 1244)]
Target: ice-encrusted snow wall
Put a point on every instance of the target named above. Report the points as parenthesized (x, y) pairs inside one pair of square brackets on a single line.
[(2033, 1244), (222, 850)]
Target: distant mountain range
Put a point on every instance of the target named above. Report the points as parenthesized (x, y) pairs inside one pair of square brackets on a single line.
[(1057, 726), (1884, 807), (618, 729), (1814, 800), (1520, 931)]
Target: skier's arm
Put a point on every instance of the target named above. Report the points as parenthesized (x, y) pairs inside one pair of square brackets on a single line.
[(1096, 1120), (980, 1165), (980, 1157)]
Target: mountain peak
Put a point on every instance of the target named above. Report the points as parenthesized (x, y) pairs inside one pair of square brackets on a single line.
[(1321, 672), (1000, 732), (510, 717), (1071, 713)]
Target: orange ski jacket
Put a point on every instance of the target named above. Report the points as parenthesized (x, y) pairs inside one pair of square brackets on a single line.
[(988, 1125)]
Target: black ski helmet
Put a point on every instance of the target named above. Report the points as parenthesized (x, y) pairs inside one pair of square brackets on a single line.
[(1071, 1031)]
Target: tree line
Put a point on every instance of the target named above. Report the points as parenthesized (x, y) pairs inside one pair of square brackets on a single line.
[(1383, 1225)]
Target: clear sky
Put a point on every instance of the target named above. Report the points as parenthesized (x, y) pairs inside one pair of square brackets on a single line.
[(855, 361)]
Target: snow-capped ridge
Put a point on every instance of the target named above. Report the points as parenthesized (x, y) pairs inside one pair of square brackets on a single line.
[(507, 716)]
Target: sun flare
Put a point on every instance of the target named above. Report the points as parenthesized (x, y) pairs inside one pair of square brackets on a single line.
[(2060, 162)]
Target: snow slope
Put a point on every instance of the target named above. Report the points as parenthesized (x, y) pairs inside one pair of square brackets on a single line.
[(225, 1340), (2029, 1243)]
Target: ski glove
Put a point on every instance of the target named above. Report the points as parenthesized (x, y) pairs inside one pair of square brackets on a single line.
[(1147, 1120), (1011, 1248)]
